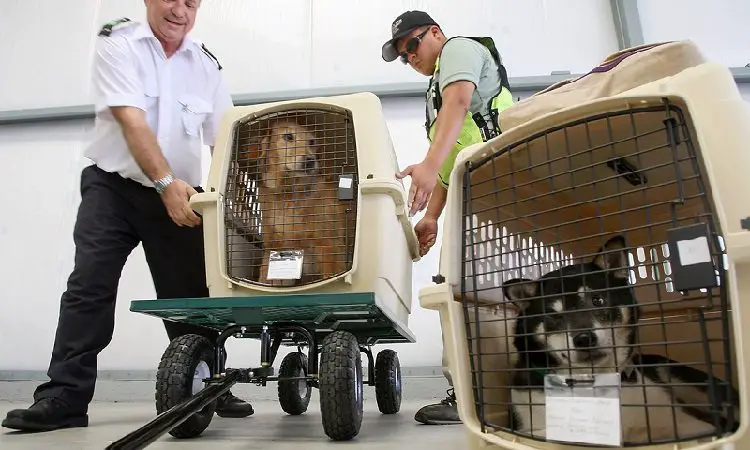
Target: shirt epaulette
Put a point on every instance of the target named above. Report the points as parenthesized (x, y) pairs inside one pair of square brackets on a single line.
[(211, 55), (113, 25)]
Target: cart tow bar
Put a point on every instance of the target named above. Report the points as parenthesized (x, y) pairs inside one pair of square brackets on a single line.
[(167, 420)]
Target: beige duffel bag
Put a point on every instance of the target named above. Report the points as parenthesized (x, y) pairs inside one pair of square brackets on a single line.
[(619, 72)]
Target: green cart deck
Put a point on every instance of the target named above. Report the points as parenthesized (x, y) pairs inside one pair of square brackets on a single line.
[(320, 313)]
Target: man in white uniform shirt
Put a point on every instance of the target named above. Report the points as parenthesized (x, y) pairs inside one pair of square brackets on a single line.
[(156, 90)]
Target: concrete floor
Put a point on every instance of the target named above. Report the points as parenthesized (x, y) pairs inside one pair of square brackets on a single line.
[(121, 407)]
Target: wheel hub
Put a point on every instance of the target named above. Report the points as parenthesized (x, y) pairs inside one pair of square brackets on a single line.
[(302, 385), (202, 372), (397, 381), (359, 387)]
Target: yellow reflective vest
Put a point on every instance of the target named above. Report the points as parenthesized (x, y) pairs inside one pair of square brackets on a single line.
[(475, 128)]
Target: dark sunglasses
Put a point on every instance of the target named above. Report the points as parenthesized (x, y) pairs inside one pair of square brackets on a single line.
[(411, 46)]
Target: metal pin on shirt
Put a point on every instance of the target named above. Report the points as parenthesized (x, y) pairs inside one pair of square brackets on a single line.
[(186, 107)]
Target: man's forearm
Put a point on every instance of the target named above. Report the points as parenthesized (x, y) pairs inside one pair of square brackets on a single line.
[(448, 126), (437, 202), (145, 149), (456, 104), (142, 143)]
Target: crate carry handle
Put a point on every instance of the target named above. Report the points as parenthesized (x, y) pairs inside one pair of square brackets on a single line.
[(199, 200), (396, 191)]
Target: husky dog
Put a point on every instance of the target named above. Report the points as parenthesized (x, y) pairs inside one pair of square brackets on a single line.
[(582, 319)]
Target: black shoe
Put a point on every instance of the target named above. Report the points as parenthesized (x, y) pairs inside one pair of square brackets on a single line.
[(46, 414), (230, 406), (443, 413)]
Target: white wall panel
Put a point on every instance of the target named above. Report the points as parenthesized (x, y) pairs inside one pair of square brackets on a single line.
[(40, 202), (535, 37), (346, 43), (745, 90), (293, 44), (45, 51), (38, 199), (719, 28), (262, 45)]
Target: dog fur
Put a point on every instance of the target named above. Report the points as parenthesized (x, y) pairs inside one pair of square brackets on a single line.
[(299, 206), (582, 319)]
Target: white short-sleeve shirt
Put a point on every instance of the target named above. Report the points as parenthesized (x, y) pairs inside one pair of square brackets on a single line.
[(184, 98)]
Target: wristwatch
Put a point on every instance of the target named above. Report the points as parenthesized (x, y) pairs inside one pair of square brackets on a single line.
[(162, 183)]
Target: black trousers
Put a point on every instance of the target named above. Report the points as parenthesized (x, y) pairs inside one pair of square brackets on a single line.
[(115, 215)]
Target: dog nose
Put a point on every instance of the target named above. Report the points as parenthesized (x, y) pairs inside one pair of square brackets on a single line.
[(310, 162), (585, 340)]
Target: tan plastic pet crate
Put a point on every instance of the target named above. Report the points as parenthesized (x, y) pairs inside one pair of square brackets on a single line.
[(641, 191), (310, 180), (308, 244)]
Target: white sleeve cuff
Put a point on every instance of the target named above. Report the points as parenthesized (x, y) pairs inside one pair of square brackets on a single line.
[(110, 100)]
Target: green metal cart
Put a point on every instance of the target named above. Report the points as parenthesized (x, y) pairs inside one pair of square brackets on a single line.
[(335, 329)]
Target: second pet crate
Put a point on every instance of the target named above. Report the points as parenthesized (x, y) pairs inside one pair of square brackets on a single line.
[(597, 257)]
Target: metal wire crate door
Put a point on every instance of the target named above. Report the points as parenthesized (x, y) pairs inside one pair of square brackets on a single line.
[(290, 202), (602, 238)]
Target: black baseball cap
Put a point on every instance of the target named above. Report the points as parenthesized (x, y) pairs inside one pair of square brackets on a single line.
[(402, 26)]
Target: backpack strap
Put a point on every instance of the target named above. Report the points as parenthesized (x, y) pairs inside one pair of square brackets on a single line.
[(494, 131), (432, 95), (490, 44)]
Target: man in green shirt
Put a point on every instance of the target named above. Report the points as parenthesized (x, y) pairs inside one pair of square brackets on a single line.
[(468, 87)]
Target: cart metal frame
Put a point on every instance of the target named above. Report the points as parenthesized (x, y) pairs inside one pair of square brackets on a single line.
[(299, 320)]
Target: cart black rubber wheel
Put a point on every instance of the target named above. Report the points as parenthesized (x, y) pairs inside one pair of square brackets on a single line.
[(294, 395), (341, 387), (388, 382), (185, 363)]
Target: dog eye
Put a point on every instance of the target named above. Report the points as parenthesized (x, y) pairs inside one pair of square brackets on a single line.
[(288, 137), (597, 300)]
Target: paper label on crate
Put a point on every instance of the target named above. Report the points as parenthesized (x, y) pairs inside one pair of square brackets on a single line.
[(583, 412), (345, 183), (694, 251), (285, 265)]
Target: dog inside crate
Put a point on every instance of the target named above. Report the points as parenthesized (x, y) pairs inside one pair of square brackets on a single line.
[(290, 200), (600, 237)]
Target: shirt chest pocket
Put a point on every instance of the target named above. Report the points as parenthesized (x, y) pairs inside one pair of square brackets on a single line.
[(194, 111), (151, 101)]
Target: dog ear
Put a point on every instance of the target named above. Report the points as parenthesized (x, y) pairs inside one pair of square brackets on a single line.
[(613, 257), (520, 290), (255, 148)]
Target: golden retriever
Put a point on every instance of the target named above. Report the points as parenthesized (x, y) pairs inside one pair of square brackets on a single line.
[(299, 206)]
